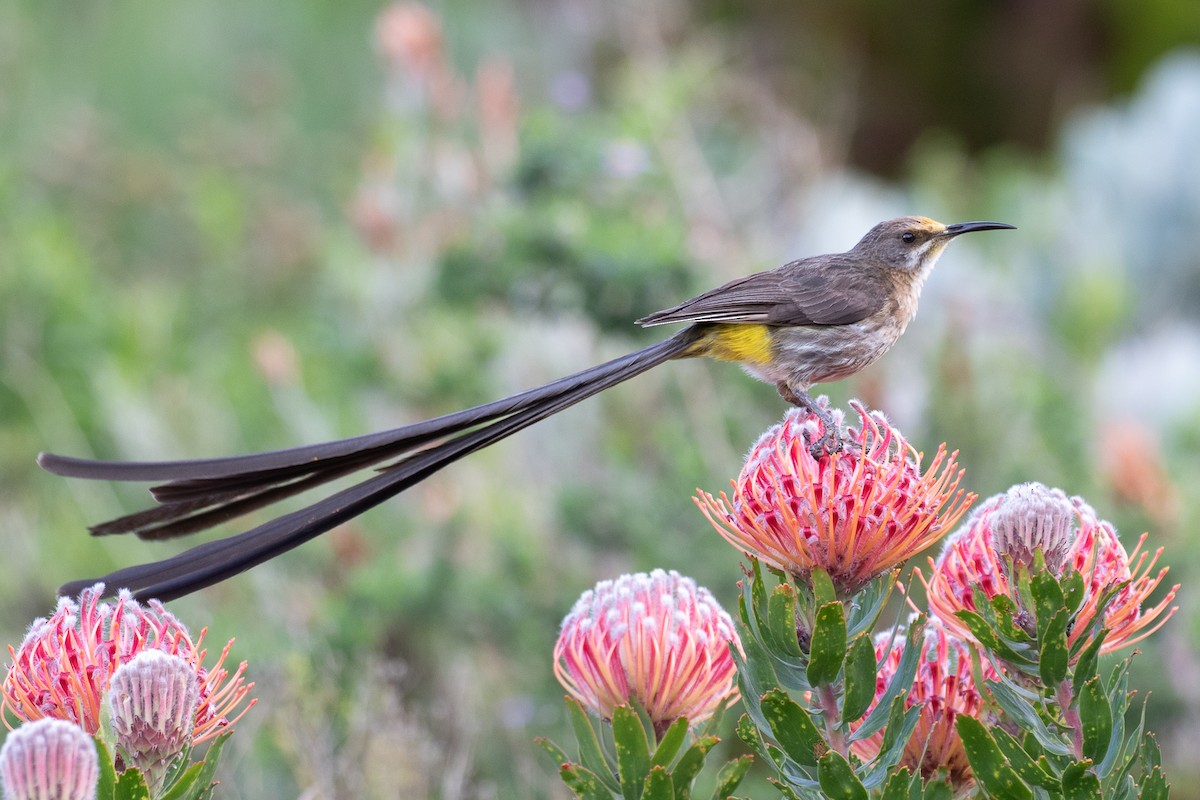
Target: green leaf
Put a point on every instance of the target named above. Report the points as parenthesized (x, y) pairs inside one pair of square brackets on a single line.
[(1095, 720), (901, 723), (670, 743), (781, 622), (828, 647), (1003, 619), (860, 672), (589, 745), (1078, 783), (901, 683), (984, 634), (938, 790), (991, 768), (1054, 660), (897, 785), (793, 728), (1074, 590), (633, 751), (1047, 599), (658, 785), (822, 587), (1087, 666), (188, 785), (556, 753), (1024, 715), (583, 782), (1037, 773), (1154, 786), (784, 790), (864, 608), (106, 782), (731, 775), (131, 785), (691, 762), (838, 780)]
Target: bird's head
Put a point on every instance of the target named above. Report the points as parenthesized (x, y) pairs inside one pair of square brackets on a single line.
[(913, 244)]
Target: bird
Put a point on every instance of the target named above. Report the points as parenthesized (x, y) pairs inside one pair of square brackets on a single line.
[(811, 321)]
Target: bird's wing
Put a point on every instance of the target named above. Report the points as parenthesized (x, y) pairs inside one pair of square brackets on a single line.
[(838, 293)]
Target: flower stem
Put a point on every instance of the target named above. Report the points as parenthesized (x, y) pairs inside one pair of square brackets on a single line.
[(833, 726), (1063, 697)]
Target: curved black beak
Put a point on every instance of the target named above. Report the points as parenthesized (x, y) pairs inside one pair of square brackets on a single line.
[(970, 227)]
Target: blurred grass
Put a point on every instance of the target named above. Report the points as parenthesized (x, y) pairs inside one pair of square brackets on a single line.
[(246, 226)]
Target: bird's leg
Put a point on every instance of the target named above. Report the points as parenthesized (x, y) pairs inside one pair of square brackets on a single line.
[(831, 438)]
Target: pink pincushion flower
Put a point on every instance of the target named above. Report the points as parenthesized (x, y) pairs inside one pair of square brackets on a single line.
[(855, 514), (969, 558), (656, 639), (49, 758), (63, 667), (152, 699), (944, 688)]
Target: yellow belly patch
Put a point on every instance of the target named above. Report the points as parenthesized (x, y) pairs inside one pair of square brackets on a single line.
[(745, 343)]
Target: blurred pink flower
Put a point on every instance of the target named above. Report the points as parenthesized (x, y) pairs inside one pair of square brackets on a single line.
[(49, 759), (656, 639), (855, 514), (969, 558), (63, 667), (944, 688)]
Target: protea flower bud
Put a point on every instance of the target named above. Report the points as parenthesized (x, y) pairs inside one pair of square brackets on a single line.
[(855, 514), (1031, 517), (49, 759), (153, 701), (657, 639)]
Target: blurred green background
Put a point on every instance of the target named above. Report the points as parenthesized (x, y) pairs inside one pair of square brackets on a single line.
[(237, 226)]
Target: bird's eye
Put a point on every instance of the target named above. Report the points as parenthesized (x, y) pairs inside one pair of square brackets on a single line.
[(908, 237)]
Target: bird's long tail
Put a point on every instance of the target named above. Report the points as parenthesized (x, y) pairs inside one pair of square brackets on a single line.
[(202, 493)]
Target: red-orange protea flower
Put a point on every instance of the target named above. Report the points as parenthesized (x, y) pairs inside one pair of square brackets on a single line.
[(656, 639), (970, 559), (855, 514), (63, 667), (944, 688)]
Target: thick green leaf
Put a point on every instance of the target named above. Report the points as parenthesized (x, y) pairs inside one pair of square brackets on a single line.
[(1047, 599), (1079, 783), (938, 790), (692, 761), (583, 782), (1154, 786), (670, 743), (206, 776), (860, 676), (556, 753), (897, 785), (659, 785), (987, 637), (1025, 716), (822, 587), (106, 782), (828, 647), (1003, 618), (1054, 659), (991, 768), (187, 785), (1095, 719), (793, 728), (838, 780), (1035, 773), (590, 753), (900, 725), (901, 683), (1086, 667), (781, 622), (1074, 590), (784, 790), (864, 608), (131, 785), (633, 751), (730, 776)]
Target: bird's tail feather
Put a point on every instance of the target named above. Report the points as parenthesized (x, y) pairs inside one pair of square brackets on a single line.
[(217, 490)]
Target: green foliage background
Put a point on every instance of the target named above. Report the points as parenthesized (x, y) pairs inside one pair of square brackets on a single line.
[(238, 226)]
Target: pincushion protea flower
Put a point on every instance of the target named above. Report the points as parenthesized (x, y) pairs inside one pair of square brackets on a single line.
[(49, 758), (970, 559), (152, 699), (944, 688), (656, 639), (63, 667), (855, 514)]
